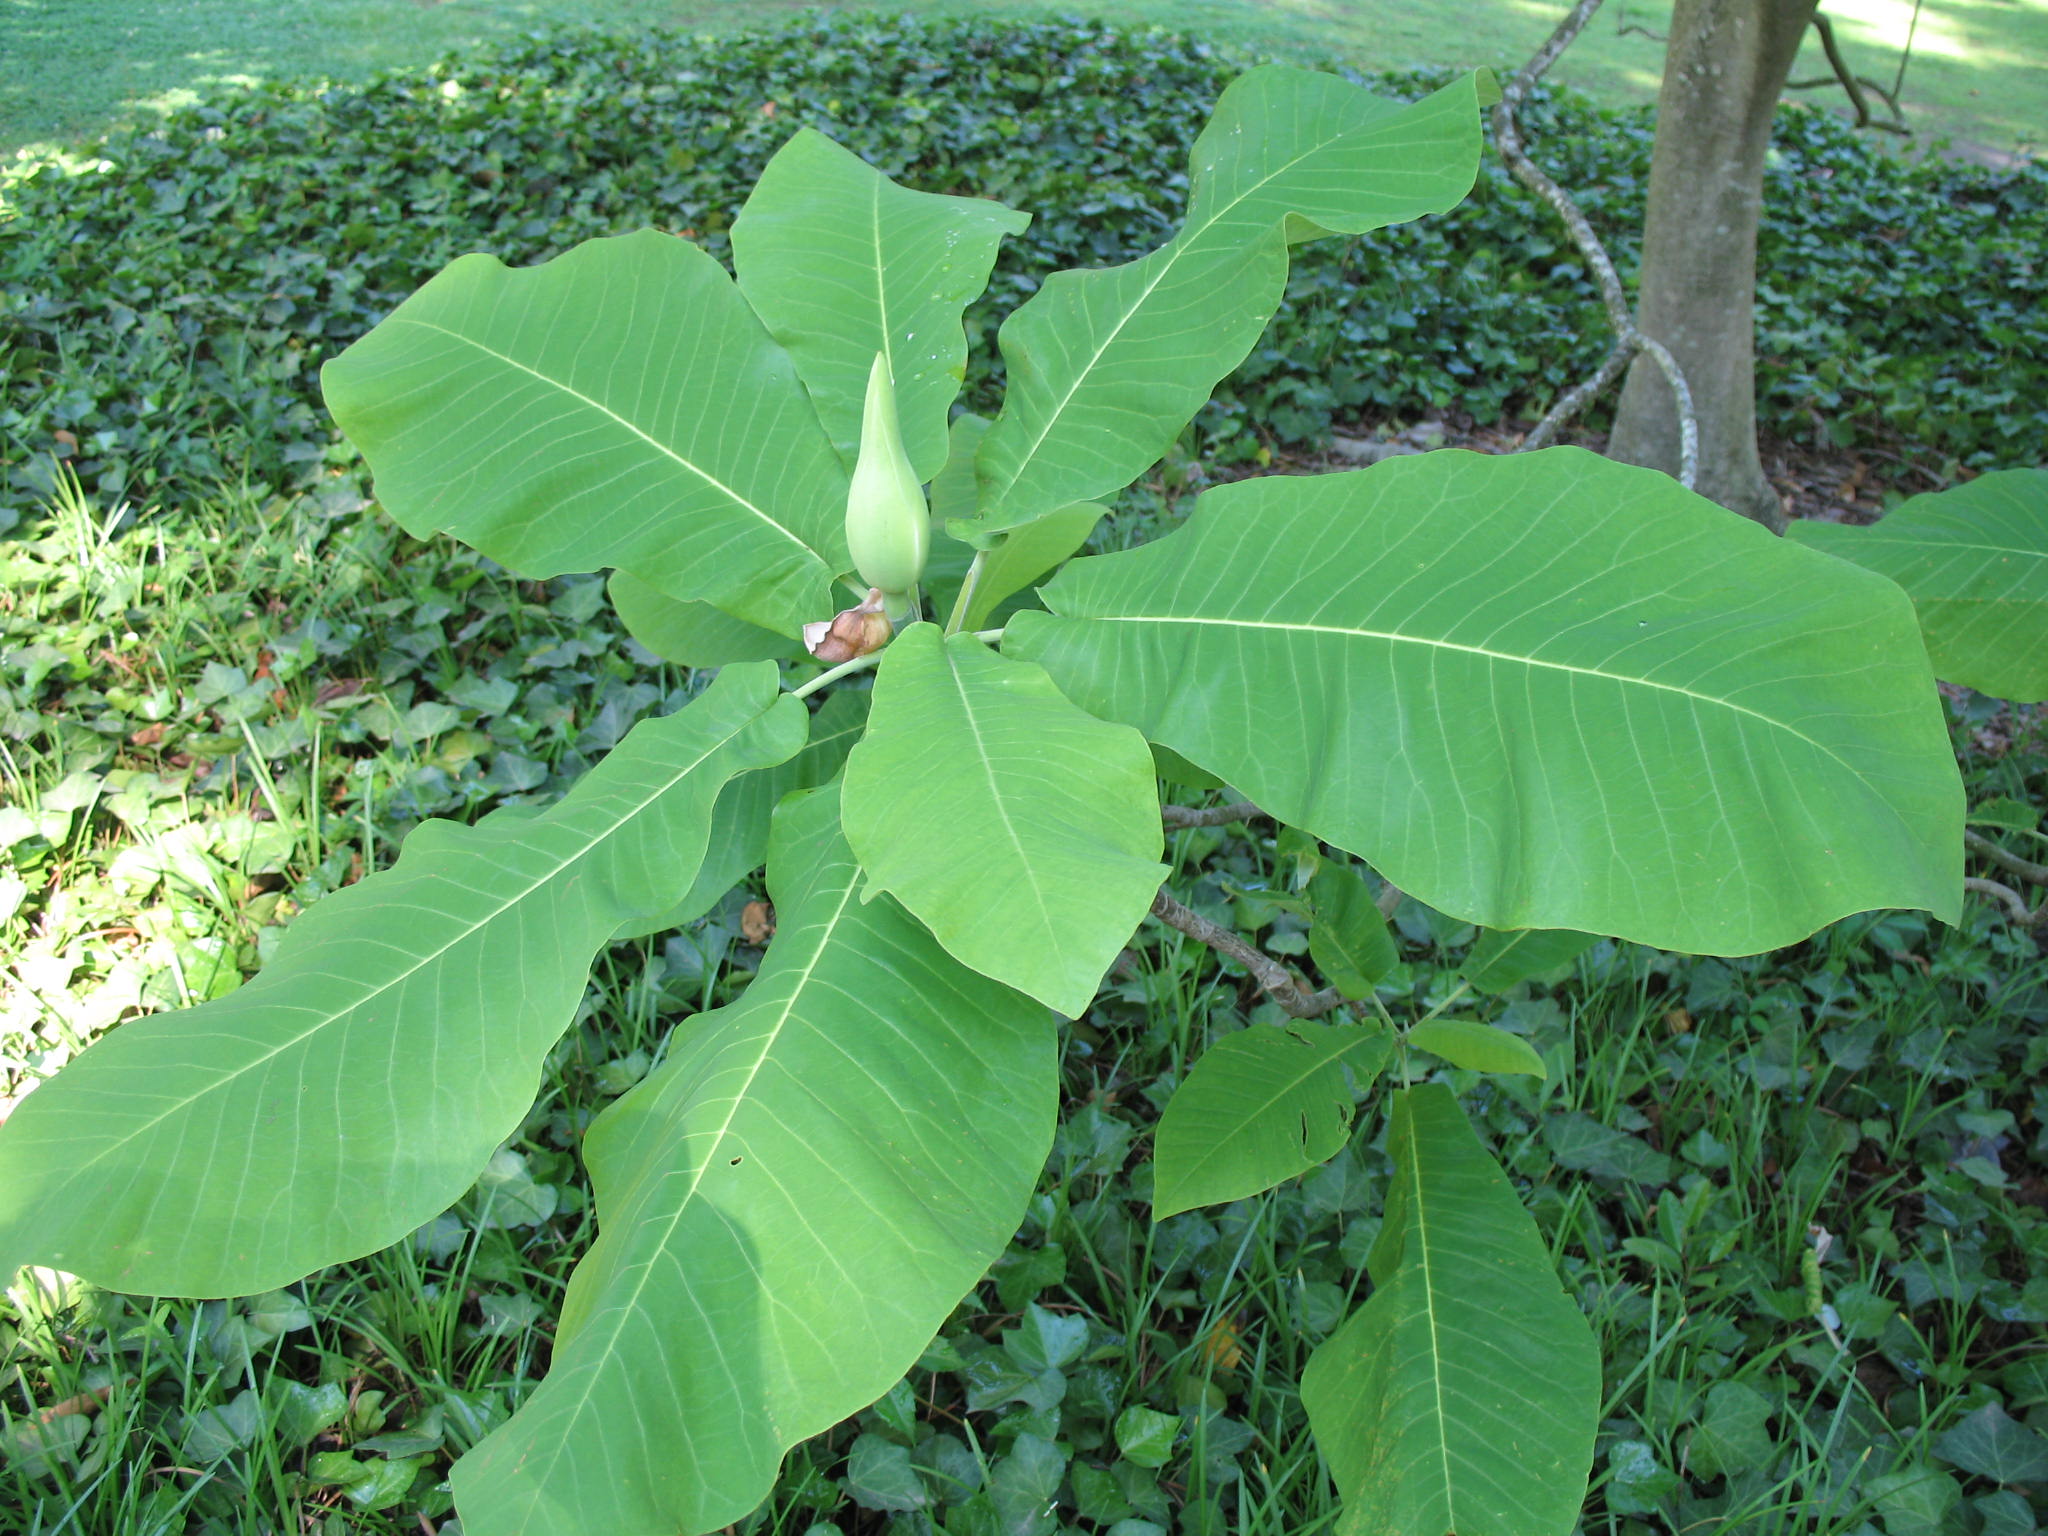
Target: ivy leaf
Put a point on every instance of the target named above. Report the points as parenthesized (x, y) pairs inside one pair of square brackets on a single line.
[(1991, 1443)]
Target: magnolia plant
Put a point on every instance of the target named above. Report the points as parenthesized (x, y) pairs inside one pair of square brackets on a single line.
[(1545, 694)]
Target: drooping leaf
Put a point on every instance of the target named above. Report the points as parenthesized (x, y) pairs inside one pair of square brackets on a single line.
[(1478, 1047), (1348, 937), (619, 406), (738, 841), (842, 264), (1508, 682), (1499, 960), (787, 1209), (688, 633), (1259, 1107), (1023, 832), (1974, 559), (1105, 367), (1463, 1396), (365, 1076)]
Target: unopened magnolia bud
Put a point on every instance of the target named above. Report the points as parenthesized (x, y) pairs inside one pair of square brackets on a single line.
[(888, 526), (852, 632)]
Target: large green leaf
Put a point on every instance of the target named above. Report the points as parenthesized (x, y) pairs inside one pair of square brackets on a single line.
[(1259, 1107), (1463, 1396), (1022, 831), (787, 1209), (1537, 691), (740, 821), (842, 263), (690, 633), (617, 406), (1974, 559), (1105, 367), (352, 1090)]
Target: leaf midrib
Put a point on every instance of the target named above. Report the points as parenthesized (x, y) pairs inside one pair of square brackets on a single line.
[(1185, 238), (629, 1307), (729, 492), (362, 1000), (1206, 621)]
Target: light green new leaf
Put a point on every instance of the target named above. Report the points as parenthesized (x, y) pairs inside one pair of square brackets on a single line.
[(952, 494), (1477, 1047), (617, 406), (1499, 960), (1974, 559), (842, 263), (688, 633), (1347, 935), (1463, 1396), (1259, 1107), (738, 842), (1536, 691), (1016, 559), (787, 1209), (1105, 367), (1022, 831), (351, 1091)]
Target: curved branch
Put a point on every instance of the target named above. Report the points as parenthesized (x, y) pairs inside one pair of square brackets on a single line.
[(1853, 84), (1628, 339), (2036, 874), (1208, 815), (2015, 907), (1279, 982)]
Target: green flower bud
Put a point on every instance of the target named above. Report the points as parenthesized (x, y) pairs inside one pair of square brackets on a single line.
[(888, 526)]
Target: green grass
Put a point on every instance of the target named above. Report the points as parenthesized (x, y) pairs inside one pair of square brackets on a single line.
[(69, 68)]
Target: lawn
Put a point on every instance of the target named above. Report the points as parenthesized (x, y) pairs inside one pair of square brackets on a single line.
[(1801, 1196), (68, 68)]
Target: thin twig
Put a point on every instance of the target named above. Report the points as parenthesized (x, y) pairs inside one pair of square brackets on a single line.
[(1279, 982), (1851, 82), (2036, 874), (2014, 904), (1629, 340), (1208, 815)]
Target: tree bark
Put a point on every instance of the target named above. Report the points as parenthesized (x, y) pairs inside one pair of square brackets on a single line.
[(1724, 68)]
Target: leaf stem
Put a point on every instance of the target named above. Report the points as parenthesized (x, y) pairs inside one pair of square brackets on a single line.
[(833, 674), (968, 583)]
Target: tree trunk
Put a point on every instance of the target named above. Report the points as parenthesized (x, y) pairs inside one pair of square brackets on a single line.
[(1723, 71)]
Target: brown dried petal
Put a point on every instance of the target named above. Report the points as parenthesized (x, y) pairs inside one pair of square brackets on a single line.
[(851, 633)]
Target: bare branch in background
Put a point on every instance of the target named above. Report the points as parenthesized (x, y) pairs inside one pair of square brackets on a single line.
[(1628, 339), (2035, 874)]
